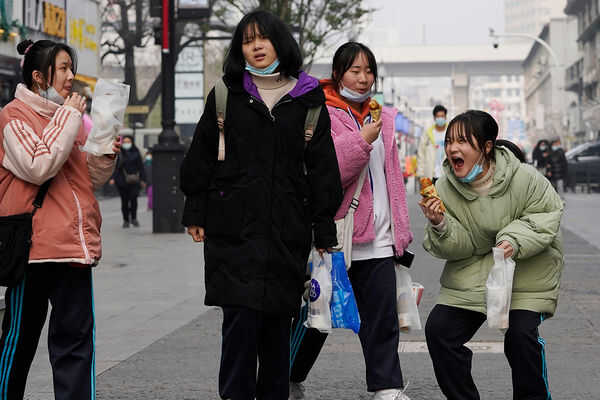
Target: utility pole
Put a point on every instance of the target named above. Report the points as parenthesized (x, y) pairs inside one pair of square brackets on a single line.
[(167, 155)]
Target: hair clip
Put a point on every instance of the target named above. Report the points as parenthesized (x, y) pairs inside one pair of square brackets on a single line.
[(24, 54)]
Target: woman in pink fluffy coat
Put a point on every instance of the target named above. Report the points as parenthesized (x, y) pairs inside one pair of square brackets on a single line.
[(361, 143)]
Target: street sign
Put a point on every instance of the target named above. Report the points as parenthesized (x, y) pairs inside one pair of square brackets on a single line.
[(139, 109), (189, 85), (188, 111), (190, 60)]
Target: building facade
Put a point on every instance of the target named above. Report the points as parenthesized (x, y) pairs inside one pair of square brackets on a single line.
[(503, 97), (547, 102), (75, 22), (582, 75), (529, 17)]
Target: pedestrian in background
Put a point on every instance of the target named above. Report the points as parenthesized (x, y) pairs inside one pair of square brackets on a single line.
[(541, 157), (492, 200), (41, 134), (363, 144), (558, 167), (129, 177), (430, 153), (253, 205), (148, 172)]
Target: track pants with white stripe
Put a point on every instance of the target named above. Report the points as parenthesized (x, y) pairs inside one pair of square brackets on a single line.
[(70, 332), (449, 328)]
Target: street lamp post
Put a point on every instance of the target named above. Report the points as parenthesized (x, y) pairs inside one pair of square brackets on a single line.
[(545, 44), (556, 64), (167, 155)]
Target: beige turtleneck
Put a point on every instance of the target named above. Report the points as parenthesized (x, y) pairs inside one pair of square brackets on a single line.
[(483, 184), (273, 87)]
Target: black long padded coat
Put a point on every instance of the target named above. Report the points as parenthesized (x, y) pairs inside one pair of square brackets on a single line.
[(258, 206)]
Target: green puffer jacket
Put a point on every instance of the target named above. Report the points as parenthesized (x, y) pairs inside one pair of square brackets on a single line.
[(521, 208)]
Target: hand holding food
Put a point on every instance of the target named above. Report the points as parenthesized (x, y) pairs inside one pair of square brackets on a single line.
[(428, 191), (375, 110)]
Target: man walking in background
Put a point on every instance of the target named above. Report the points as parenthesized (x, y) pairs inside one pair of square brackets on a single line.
[(430, 153)]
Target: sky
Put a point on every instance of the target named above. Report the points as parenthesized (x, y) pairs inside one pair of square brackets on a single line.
[(446, 22)]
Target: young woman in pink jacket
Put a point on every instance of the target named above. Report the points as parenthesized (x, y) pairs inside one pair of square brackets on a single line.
[(41, 135), (361, 143)]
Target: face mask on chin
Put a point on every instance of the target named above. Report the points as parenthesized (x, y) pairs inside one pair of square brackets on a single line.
[(52, 95), (356, 97), (474, 172), (263, 71)]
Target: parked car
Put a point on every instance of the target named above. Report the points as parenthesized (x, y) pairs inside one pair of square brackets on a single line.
[(584, 165)]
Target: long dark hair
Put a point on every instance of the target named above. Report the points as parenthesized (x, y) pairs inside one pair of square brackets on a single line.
[(271, 27), (474, 124), (344, 57), (41, 56)]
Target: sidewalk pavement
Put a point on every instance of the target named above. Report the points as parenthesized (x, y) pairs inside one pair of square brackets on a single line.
[(155, 339)]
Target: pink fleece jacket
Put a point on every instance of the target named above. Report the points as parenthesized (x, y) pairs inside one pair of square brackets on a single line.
[(353, 154)]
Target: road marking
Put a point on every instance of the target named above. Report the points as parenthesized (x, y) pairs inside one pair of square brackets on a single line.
[(476, 347)]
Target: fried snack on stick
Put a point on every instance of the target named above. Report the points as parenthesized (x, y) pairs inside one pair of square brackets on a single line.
[(375, 110), (428, 190)]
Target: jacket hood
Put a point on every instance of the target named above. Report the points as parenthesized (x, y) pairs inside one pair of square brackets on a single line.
[(304, 89), (333, 99), (506, 167)]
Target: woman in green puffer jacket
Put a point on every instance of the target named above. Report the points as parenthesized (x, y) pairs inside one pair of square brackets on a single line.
[(491, 200)]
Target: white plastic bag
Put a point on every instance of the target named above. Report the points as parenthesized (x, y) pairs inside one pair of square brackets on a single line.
[(499, 290), (108, 111), (406, 300), (319, 312)]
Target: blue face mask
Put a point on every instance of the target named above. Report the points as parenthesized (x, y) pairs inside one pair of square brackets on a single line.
[(264, 71), (354, 96), (476, 170), (440, 121), (52, 95)]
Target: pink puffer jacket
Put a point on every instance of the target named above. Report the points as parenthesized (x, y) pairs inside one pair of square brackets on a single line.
[(353, 154)]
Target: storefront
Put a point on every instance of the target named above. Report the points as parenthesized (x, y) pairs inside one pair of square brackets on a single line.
[(9, 62), (75, 22)]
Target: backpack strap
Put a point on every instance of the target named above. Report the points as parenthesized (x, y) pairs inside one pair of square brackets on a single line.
[(221, 108), (312, 118), (310, 123)]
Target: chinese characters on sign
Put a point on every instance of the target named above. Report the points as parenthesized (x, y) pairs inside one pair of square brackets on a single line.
[(189, 86)]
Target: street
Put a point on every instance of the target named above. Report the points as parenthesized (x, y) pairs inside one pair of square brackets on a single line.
[(156, 339)]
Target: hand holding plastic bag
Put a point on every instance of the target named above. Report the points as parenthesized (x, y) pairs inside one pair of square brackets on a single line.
[(108, 110), (499, 290), (319, 313), (344, 311), (407, 296)]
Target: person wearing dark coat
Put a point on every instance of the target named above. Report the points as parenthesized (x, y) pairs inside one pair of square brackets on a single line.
[(255, 208), (541, 157), (558, 166), (129, 177)]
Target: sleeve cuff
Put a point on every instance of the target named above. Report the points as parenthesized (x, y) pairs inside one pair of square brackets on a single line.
[(325, 235), (441, 227), (194, 211)]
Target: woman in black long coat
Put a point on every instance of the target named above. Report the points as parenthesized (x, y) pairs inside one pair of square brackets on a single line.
[(257, 210), (129, 177)]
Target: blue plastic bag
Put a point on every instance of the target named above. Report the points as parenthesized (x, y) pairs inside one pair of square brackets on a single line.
[(344, 312)]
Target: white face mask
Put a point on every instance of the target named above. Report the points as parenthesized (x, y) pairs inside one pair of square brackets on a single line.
[(126, 146), (354, 96), (52, 95)]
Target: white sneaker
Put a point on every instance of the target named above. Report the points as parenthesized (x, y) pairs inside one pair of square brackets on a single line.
[(390, 394)]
